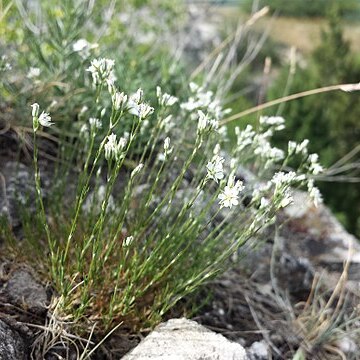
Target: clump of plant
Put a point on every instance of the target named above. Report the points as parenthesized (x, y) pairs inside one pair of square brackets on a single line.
[(128, 256)]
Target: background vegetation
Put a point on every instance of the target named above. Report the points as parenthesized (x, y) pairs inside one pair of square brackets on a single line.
[(330, 121), (307, 8)]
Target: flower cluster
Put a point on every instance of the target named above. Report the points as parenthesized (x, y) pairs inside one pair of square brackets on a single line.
[(215, 169), (314, 193), (115, 149), (205, 124), (165, 99), (229, 197), (244, 137), (138, 108), (202, 99), (102, 71), (264, 149), (119, 99), (260, 142), (294, 148), (34, 72), (314, 167), (95, 123), (275, 122)]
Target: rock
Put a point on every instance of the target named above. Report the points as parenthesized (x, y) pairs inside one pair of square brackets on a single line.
[(23, 290), (12, 345), (258, 351), (201, 33), (313, 233), (17, 187), (182, 339), (348, 346)]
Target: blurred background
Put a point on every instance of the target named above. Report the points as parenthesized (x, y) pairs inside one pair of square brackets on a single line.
[(305, 44)]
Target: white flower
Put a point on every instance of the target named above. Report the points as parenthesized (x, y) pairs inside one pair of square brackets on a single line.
[(45, 119), (127, 242), (137, 97), (111, 149), (229, 196), (83, 110), (216, 150), (161, 157), (275, 154), (314, 193), (168, 100), (202, 99), (302, 147), (291, 147), (84, 131), (136, 170), (315, 167), (206, 124), (141, 110), (145, 110), (281, 178), (102, 71), (202, 121), (193, 87), (215, 168), (167, 149), (167, 123), (122, 144), (277, 122), (83, 47), (95, 123), (244, 137), (233, 163), (264, 203), (33, 72), (35, 110), (223, 133), (287, 199), (158, 93), (80, 45), (118, 99)]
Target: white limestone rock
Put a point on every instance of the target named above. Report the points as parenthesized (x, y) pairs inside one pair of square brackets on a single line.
[(182, 339)]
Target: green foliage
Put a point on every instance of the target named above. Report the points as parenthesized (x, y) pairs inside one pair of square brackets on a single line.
[(311, 8), (330, 121)]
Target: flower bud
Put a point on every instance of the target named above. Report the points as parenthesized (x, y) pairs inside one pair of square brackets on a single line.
[(35, 110)]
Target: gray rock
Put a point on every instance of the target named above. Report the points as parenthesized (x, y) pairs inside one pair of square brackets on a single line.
[(182, 339), (12, 345), (23, 290), (313, 233), (17, 189), (258, 351)]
